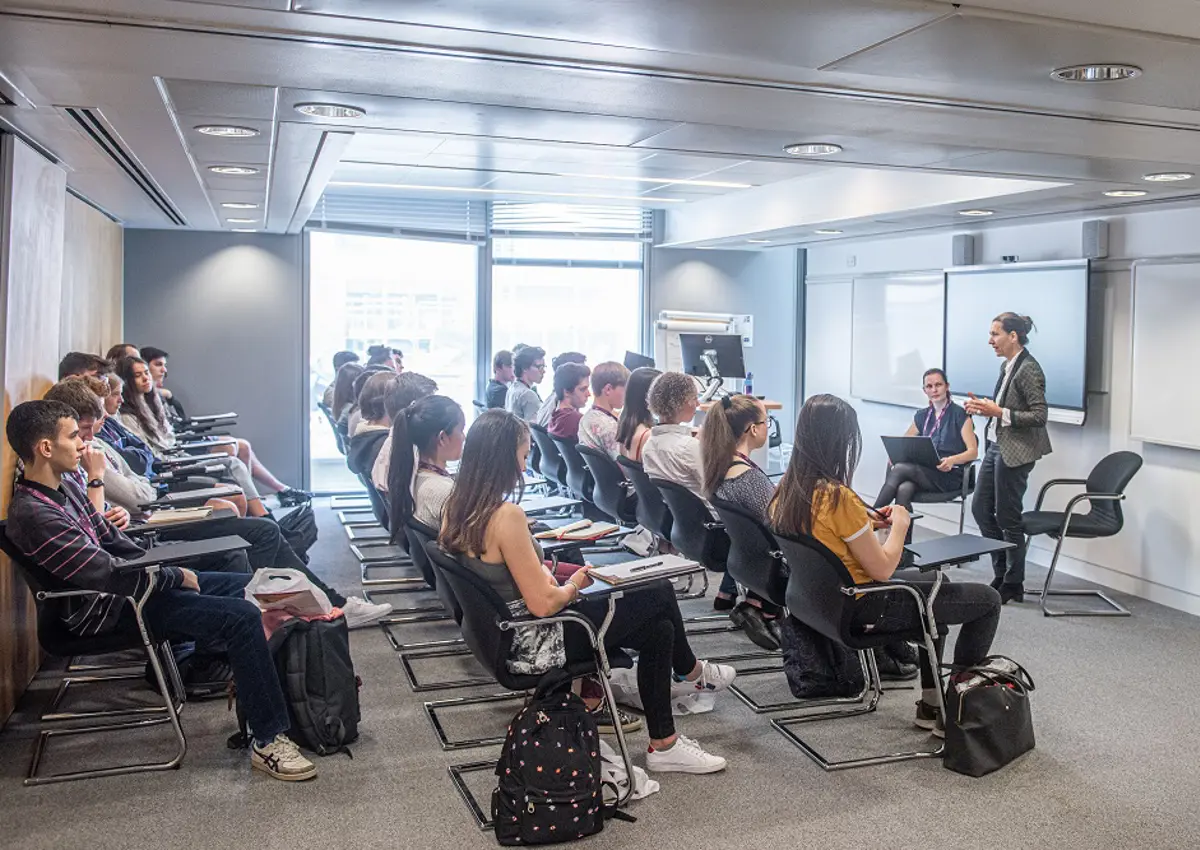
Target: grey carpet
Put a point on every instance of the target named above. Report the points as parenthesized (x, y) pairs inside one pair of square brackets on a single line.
[(1115, 767)]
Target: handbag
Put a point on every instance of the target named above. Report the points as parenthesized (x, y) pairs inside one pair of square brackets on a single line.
[(535, 650), (988, 719)]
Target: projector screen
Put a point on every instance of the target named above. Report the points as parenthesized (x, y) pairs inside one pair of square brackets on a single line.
[(1054, 295)]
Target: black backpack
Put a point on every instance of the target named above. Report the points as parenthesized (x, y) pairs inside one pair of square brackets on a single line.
[(312, 660), (550, 787), (815, 666), (299, 529)]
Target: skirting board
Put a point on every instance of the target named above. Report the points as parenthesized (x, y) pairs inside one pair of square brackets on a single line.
[(1040, 556)]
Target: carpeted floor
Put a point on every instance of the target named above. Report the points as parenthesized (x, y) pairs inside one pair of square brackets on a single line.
[(1115, 767)]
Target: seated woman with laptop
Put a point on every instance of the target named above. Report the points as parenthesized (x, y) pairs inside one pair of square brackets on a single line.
[(953, 434)]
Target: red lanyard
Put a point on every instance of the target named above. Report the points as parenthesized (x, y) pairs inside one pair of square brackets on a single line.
[(748, 462), (925, 431), (68, 510), (436, 470)]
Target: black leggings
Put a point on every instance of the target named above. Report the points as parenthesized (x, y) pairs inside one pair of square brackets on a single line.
[(905, 480), (648, 621)]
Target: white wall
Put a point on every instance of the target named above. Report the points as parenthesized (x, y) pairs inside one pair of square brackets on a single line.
[(1157, 555), (761, 283)]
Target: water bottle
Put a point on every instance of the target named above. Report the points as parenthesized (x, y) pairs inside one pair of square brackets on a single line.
[(749, 387)]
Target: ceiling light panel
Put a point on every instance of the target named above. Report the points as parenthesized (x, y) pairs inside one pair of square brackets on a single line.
[(227, 131), (239, 205), (812, 149), (234, 170), (335, 111), (241, 220), (1099, 73), (1125, 193), (827, 232), (1169, 177), (409, 187), (976, 213)]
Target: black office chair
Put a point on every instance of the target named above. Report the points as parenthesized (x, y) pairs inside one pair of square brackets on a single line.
[(611, 491), (968, 487), (488, 628), (579, 478), (551, 464), (652, 512), (694, 530), (1104, 490), (56, 640), (337, 434), (822, 595), (478, 405)]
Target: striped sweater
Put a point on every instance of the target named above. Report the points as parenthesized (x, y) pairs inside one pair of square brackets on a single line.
[(61, 532)]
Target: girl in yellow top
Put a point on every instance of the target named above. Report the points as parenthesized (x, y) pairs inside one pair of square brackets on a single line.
[(814, 499)]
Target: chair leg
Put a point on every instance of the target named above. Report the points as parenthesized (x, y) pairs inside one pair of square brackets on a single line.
[(1115, 609), (456, 777), (407, 659), (433, 706)]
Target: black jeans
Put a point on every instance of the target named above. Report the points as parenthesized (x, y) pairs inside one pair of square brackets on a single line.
[(905, 480), (976, 607), (999, 500), (268, 548), (220, 618), (648, 621)]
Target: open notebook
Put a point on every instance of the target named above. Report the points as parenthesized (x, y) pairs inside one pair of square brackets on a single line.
[(642, 569), (178, 515), (585, 529)]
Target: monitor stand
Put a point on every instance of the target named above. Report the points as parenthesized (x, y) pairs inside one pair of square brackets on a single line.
[(715, 381)]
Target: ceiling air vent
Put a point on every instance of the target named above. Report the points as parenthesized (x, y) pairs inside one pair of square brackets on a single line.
[(93, 125)]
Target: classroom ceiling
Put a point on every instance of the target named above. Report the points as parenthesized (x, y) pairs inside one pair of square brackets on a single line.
[(683, 105)]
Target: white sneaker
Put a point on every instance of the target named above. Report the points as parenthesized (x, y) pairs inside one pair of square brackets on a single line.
[(684, 756), (713, 678), (360, 612), (282, 759)]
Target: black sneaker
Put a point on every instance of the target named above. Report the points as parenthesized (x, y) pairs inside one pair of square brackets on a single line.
[(929, 717), (894, 670), (604, 721), (291, 497)]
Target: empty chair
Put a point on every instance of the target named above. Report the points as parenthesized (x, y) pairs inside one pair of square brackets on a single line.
[(822, 594), (579, 478), (929, 497), (550, 463), (1104, 490), (612, 492), (652, 511)]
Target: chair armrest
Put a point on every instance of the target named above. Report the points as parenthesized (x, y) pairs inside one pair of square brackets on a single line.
[(1086, 497), (1055, 482), (714, 526), (924, 605)]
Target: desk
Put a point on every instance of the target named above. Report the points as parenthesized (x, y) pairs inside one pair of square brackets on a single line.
[(552, 547), (147, 528), (954, 550), (541, 504), (184, 497), (603, 590), (173, 552)]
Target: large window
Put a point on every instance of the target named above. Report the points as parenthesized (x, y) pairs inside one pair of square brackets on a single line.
[(418, 296), (567, 295)]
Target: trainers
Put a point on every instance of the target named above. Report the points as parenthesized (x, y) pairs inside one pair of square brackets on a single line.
[(282, 760), (360, 612), (604, 720), (684, 756), (712, 678), (929, 717), (290, 497), (750, 620), (892, 669)]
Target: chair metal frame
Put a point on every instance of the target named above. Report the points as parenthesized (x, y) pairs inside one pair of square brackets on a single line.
[(968, 489)]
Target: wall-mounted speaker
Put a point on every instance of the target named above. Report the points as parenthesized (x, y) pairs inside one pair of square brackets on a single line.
[(1095, 239), (963, 252)]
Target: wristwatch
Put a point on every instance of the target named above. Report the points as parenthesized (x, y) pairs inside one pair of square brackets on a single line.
[(96, 482)]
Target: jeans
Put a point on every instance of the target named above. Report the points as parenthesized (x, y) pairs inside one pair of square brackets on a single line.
[(219, 617), (999, 499), (976, 607), (268, 548), (646, 620)]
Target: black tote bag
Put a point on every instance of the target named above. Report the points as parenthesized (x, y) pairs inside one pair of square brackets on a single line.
[(989, 724)]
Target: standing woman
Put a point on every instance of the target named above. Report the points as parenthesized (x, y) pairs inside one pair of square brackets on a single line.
[(953, 435), (633, 429), (1016, 439)]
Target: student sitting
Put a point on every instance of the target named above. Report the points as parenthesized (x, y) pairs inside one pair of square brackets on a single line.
[(427, 435), (56, 526), (598, 427), (156, 360), (546, 411), (633, 428), (409, 387), (132, 448), (374, 425), (128, 491), (492, 536), (502, 376), (339, 360), (343, 389), (953, 435), (814, 498), (522, 400), (351, 416), (383, 357), (571, 390), (81, 363), (117, 353), (142, 413)]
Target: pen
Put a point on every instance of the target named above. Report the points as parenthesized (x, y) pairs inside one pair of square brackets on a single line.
[(638, 569)]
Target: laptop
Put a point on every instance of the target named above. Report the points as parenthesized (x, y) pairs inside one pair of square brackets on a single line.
[(918, 450)]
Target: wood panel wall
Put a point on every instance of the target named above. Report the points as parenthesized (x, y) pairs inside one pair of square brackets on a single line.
[(60, 290)]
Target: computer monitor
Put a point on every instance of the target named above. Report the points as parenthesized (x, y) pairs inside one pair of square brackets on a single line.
[(725, 351), (633, 360)]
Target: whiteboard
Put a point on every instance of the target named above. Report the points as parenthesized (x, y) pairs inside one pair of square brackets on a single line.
[(826, 331), (1166, 317), (897, 331)]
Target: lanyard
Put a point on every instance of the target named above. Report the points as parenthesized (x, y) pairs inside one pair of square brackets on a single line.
[(435, 469), (926, 431), (69, 511), (748, 462)]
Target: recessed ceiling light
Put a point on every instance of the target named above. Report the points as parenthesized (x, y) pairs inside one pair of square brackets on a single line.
[(244, 230), (1107, 73), (1125, 193), (978, 213), (663, 181), (1169, 176), (227, 131), (239, 205), (241, 220), (826, 232), (759, 241), (706, 247), (412, 187), (235, 170), (330, 110), (812, 149)]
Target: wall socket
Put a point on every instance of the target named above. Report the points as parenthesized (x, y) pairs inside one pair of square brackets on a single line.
[(851, 261)]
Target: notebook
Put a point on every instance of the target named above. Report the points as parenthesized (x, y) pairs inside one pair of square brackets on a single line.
[(584, 529), (178, 515), (642, 569)]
